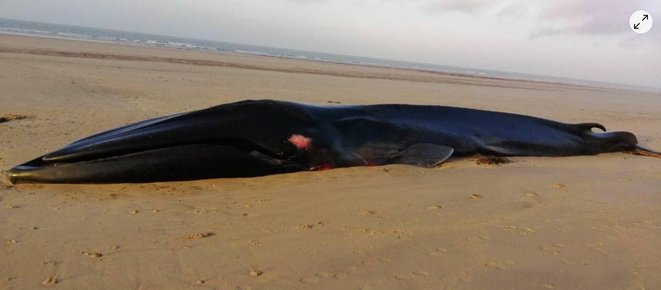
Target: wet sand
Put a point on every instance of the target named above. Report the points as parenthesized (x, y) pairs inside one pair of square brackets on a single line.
[(587, 222)]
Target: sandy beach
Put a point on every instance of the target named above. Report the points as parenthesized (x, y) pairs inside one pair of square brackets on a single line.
[(586, 222)]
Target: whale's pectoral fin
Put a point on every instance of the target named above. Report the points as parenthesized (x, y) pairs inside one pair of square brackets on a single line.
[(424, 155)]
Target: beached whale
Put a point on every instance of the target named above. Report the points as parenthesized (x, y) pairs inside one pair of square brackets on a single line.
[(254, 138)]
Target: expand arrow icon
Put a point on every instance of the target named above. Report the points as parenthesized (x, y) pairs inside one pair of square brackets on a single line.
[(640, 21)]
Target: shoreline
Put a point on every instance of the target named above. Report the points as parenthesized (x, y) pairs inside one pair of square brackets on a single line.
[(568, 82)]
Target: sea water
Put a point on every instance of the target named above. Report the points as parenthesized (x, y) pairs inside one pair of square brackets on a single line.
[(21, 27)]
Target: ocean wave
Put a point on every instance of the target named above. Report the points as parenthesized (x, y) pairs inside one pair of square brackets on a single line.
[(150, 40)]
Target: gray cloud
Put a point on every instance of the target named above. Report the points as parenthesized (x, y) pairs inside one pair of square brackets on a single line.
[(457, 5), (588, 16), (552, 17)]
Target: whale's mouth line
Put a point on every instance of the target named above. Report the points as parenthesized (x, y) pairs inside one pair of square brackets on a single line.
[(43, 162), (70, 160), (93, 154), (181, 160)]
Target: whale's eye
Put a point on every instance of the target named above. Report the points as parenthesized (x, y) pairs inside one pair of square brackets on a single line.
[(301, 142)]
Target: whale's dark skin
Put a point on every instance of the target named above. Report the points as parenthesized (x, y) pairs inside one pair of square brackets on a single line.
[(254, 138)]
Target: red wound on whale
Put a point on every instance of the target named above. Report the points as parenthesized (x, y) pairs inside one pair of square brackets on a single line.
[(300, 141)]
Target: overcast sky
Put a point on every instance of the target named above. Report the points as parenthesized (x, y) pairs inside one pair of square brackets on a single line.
[(583, 39)]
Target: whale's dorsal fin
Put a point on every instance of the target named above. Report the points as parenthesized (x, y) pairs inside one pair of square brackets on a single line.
[(423, 154)]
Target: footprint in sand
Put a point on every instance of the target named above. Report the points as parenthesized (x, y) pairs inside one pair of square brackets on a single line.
[(504, 265), (50, 281), (411, 275), (524, 231), (96, 255), (437, 252), (559, 186), (311, 226), (256, 273), (339, 276), (310, 279), (198, 236), (474, 196), (553, 249), (323, 275)]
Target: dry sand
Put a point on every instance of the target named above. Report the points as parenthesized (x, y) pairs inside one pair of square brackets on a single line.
[(588, 222)]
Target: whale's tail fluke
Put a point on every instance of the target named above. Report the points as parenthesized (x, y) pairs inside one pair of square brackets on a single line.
[(642, 151)]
